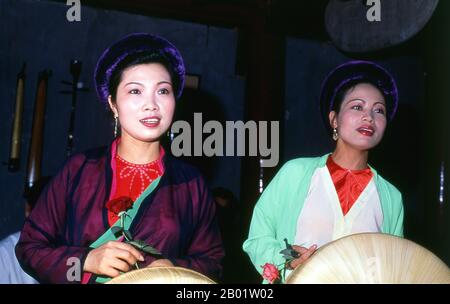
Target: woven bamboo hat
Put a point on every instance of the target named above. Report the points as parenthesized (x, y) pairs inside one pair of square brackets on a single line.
[(162, 275), (371, 258)]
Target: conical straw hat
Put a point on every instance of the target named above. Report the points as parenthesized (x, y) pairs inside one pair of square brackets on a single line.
[(371, 258), (162, 275)]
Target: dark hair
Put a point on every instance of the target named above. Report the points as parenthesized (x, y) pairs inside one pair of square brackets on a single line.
[(136, 59)]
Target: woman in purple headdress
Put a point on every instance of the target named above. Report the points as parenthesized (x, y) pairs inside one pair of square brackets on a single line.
[(313, 201), (79, 221)]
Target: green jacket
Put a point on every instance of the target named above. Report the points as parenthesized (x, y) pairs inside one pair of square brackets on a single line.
[(277, 210)]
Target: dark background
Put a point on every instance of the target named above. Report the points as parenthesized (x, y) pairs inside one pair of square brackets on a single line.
[(257, 60)]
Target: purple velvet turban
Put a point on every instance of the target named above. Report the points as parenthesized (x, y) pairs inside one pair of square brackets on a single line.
[(131, 45), (358, 71)]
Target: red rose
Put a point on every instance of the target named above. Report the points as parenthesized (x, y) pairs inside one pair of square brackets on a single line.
[(119, 204), (270, 273)]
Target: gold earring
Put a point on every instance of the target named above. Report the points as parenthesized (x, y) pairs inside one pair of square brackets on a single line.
[(116, 122), (335, 134)]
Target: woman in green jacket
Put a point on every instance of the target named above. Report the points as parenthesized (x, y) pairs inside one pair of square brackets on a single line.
[(313, 201)]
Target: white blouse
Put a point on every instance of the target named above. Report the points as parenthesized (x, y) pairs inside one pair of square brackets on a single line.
[(321, 219)]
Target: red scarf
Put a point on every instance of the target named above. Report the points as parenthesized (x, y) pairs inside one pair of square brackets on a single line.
[(349, 184)]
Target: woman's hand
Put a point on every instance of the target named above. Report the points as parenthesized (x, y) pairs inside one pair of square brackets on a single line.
[(160, 263), (111, 259), (305, 253)]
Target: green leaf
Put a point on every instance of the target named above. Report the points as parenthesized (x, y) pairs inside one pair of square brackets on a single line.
[(127, 234), (144, 247), (136, 243), (116, 230), (288, 246), (289, 253)]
